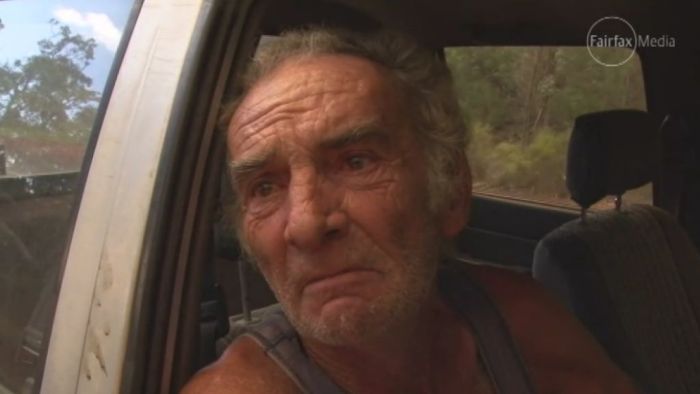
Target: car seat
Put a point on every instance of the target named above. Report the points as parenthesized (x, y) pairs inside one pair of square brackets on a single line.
[(630, 274)]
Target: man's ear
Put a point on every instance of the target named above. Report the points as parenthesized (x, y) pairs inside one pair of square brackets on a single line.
[(456, 213)]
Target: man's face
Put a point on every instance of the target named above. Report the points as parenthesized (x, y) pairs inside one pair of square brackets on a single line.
[(332, 184)]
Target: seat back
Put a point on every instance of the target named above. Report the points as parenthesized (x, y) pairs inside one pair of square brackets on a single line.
[(630, 275)]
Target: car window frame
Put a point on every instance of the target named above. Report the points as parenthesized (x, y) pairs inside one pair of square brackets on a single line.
[(78, 360)]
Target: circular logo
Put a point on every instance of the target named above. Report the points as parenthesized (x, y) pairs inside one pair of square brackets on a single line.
[(604, 46)]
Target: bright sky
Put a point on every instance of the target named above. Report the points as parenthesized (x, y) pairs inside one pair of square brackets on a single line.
[(27, 21)]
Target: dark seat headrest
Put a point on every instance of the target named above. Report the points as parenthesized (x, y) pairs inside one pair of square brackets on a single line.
[(611, 152)]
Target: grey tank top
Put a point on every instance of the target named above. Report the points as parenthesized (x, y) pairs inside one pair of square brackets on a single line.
[(498, 352)]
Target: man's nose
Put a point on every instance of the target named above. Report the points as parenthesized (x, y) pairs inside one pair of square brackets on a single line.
[(315, 215)]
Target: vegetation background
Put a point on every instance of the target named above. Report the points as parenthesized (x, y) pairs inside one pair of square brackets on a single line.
[(519, 104), (47, 105)]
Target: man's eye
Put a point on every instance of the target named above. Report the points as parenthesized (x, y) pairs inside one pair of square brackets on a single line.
[(358, 162), (263, 189)]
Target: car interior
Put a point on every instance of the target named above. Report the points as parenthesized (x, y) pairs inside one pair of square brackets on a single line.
[(629, 273)]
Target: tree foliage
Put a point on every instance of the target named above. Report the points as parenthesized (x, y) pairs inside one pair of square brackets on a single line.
[(49, 92), (520, 103)]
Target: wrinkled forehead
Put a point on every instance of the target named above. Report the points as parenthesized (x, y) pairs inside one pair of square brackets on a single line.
[(355, 86)]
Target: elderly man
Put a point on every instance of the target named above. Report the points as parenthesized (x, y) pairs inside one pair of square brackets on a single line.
[(347, 157)]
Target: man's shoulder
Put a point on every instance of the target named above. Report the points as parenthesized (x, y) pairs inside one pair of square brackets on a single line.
[(558, 350), (243, 368), (515, 293), (538, 321)]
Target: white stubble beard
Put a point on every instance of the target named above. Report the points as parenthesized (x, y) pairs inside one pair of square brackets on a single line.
[(400, 306)]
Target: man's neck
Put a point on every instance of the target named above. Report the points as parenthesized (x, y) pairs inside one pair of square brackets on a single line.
[(418, 357)]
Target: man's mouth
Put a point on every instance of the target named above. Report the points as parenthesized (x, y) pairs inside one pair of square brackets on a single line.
[(340, 280)]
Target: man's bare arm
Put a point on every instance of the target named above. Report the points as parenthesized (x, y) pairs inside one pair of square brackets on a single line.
[(243, 368), (562, 356)]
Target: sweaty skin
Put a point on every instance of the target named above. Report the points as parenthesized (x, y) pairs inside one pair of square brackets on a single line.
[(335, 212)]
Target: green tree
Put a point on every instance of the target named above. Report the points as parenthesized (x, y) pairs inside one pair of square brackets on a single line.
[(485, 85), (519, 104), (49, 91)]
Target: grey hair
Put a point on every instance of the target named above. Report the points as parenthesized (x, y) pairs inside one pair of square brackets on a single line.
[(421, 74)]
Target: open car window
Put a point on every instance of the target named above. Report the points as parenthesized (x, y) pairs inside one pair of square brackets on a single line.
[(55, 58), (519, 104)]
